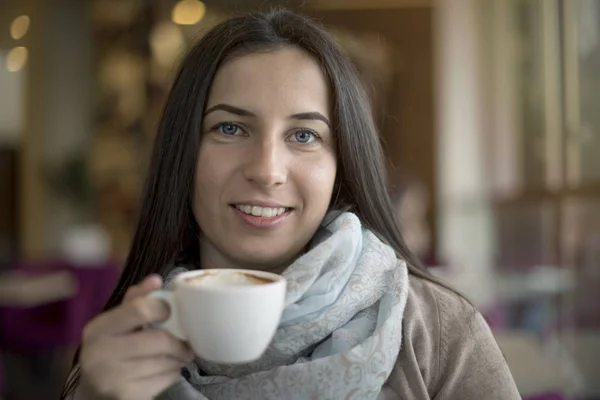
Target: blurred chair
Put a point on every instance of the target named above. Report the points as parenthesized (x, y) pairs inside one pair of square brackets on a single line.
[(43, 309), (541, 371), (547, 396)]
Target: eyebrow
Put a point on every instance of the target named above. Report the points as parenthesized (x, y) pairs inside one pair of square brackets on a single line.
[(316, 116), (230, 109), (311, 116)]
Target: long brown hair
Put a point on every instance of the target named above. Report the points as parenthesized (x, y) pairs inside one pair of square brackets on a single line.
[(167, 232)]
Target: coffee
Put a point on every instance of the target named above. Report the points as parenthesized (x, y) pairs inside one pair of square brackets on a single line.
[(228, 278)]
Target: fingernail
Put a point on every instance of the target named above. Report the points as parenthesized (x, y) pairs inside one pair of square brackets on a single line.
[(154, 279)]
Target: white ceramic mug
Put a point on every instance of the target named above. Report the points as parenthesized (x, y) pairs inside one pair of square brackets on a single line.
[(224, 323)]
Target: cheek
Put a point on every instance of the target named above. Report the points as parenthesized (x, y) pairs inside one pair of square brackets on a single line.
[(319, 181), (208, 180)]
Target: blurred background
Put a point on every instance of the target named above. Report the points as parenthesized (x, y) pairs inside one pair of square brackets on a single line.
[(490, 116)]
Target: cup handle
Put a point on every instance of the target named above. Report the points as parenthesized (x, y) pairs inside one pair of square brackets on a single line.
[(172, 324)]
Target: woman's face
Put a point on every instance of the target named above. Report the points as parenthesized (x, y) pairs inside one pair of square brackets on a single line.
[(267, 163)]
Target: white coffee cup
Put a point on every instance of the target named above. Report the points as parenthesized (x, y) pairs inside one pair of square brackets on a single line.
[(226, 315)]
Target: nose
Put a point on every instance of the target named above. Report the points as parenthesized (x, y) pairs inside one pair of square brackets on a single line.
[(267, 163)]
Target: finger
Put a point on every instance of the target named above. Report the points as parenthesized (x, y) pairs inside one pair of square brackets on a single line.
[(149, 284), (127, 318), (151, 387), (153, 343), (143, 368)]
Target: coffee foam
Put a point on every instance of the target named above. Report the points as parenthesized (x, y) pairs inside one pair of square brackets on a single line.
[(228, 278)]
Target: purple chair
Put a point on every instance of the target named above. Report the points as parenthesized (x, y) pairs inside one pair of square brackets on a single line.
[(59, 323), (35, 333), (1, 376)]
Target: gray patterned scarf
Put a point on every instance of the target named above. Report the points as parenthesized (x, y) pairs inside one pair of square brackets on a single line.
[(340, 333)]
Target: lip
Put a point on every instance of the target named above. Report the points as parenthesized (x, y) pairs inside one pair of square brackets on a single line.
[(259, 203), (262, 222)]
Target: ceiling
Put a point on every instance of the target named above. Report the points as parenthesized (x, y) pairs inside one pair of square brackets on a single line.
[(8, 13), (13, 8), (246, 5)]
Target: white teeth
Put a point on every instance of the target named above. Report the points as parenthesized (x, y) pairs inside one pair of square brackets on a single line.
[(265, 212)]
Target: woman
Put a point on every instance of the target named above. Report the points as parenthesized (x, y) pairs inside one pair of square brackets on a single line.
[(267, 158), (411, 203)]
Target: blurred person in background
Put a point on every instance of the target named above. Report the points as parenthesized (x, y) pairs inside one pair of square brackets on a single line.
[(267, 111), (411, 205)]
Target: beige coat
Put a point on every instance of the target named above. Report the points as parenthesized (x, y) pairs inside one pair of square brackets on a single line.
[(448, 351)]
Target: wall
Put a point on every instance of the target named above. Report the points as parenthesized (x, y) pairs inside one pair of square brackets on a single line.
[(57, 98), (11, 104), (465, 216), (408, 130)]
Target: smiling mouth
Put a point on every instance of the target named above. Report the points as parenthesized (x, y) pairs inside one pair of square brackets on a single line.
[(264, 212)]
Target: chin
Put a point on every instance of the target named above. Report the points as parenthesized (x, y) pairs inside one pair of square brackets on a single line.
[(265, 259)]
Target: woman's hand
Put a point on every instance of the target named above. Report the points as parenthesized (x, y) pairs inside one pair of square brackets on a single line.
[(119, 361)]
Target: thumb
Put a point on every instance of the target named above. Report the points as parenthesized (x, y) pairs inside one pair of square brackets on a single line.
[(149, 284)]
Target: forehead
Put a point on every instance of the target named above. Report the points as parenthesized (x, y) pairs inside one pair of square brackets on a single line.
[(287, 80)]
